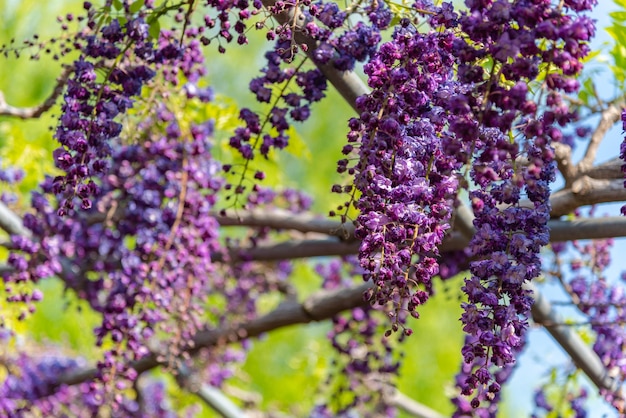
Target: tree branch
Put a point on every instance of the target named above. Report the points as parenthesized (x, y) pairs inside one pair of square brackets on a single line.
[(317, 307), (588, 228), (563, 157), (211, 396), (347, 83), (611, 169), (295, 249), (586, 191), (410, 406), (11, 222), (608, 118), (582, 355), (282, 219), (36, 111), (560, 230), (326, 304)]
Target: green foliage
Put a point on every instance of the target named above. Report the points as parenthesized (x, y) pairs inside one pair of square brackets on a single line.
[(617, 31), (433, 353), (288, 366), (64, 319)]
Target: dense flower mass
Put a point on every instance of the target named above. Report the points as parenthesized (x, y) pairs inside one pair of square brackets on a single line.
[(464, 110), (287, 85), (157, 195), (90, 120), (406, 179), (508, 237), (35, 391)]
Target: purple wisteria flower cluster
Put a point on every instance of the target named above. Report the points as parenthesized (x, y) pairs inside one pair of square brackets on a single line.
[(525, 40), (367, 362), (92, 106), (406, 178), (461, 101), (34, 390), (338, 44), (127, 56), (141, 256)]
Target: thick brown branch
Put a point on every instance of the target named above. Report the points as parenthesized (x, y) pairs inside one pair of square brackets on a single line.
[(563, 157), (611, 169), (587, 191), (296, 249), (325, 304), (582, 355), (608, 118), (318, 307), (36, 111), (560, 230), (591, 228), (282, 219)]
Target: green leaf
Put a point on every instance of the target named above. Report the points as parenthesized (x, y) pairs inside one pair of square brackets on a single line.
[(118, 5), (297, 146), (617, 32), (619, 16), (155, 29), (136, 6), (591, 55)]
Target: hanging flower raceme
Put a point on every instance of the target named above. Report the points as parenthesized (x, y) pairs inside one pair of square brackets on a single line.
[(406, 179), (288, 86), (93, 106), (526, 40)]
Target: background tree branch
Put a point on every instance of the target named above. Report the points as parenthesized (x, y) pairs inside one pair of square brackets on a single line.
[(36, 111)]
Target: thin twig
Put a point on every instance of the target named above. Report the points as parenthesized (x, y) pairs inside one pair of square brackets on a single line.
[(36, 111)]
